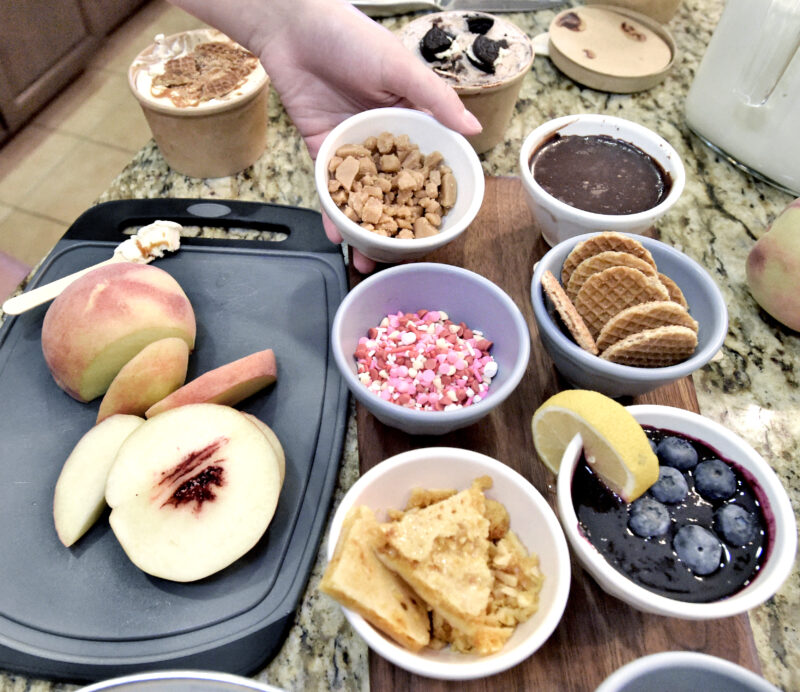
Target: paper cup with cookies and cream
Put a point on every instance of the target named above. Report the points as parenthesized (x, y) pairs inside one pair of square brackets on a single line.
[(205, 100), (483, 57)]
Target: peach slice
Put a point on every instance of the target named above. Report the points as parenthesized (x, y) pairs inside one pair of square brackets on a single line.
[(272, 438), (192, 490), (228, 384), (105, 318), (79, 497), (153, 373)]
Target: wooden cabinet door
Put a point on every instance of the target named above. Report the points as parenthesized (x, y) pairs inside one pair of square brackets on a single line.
[(104, 15), (43, 44)]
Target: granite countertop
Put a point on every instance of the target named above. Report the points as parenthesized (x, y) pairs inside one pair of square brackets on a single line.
[(753, 389)]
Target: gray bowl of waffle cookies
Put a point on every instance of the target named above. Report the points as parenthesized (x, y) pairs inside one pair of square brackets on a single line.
[(624, 314)]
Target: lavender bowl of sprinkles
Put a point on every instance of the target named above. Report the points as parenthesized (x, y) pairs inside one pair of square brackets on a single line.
[(429, 348), (426, 361)]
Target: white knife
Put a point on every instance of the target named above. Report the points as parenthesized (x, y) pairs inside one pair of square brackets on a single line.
[(149, 242), (389, 8)]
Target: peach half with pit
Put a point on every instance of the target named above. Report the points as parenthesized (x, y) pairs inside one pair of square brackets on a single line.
[(192, 490), (105, 318)]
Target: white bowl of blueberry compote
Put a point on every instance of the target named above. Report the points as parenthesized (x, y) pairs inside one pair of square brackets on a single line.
[(715, 536)]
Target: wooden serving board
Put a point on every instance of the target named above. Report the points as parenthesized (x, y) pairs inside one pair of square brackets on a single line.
[(597, 633)]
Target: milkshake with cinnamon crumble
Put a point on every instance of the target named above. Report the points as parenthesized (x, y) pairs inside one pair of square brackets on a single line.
[(205, 99)]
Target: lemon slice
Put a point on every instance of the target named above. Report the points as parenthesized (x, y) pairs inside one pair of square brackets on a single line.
[(614, 444)]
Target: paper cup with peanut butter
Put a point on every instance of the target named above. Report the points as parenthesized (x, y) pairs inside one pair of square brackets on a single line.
[(205, 100), (483, 57)]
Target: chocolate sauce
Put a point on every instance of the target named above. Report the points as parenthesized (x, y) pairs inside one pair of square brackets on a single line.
[(651, 562), (600, 174)]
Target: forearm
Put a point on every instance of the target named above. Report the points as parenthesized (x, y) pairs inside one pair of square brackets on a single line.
[(256, 24)]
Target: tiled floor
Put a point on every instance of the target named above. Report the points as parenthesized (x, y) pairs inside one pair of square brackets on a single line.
[(57, 166)]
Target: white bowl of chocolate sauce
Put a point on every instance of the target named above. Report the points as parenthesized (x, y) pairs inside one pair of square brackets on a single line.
[(586, 172)]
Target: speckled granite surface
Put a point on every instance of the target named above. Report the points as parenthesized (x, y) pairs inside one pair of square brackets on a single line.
[(753, 389)]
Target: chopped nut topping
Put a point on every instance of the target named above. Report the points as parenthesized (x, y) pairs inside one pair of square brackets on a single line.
[(388, 186)]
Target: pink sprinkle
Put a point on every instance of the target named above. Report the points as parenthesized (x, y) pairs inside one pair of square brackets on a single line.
[(447, 372)]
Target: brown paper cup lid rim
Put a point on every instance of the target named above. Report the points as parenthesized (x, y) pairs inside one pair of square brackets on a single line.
[(575, 60)]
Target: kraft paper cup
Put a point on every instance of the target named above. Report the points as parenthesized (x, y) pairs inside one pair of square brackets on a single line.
[(215, 138), (493, 106), (491, 101)]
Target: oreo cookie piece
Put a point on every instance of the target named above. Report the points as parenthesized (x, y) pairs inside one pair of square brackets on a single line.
[(483, 53), (478, 24), (436, 40)]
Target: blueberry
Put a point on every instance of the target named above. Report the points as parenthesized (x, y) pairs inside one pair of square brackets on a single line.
[(698, 548), (653, 445), (714, 480), (677, 452), (670, 487), (648, 518), (737, 526)]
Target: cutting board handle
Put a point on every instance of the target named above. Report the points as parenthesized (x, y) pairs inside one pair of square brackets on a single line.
[(303, 227)]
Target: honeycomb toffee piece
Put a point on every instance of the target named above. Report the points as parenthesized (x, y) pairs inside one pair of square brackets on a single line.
[(447, 570)]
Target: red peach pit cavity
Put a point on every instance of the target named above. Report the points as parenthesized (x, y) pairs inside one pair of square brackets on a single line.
[(425, 361)]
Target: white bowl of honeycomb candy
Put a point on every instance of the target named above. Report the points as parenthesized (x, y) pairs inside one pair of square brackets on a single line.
[(474, 541)]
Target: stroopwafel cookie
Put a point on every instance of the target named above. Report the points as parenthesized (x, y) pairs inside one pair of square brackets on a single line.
[(602, 242), (569, 315), (610, 291), (675, 293), (641, 317), (604, 260), (653, 348)]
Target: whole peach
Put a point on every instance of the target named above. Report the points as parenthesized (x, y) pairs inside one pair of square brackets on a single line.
[(773, 268), (105, 318)]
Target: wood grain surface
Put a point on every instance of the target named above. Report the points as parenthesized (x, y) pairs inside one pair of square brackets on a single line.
[(597, 633)]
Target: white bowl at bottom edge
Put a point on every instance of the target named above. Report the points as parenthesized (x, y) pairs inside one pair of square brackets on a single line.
[(387, 486), (774, 501), (180, 681), (684, 671)]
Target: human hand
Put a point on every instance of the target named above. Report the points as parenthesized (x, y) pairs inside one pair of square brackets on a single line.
[(328, 61)]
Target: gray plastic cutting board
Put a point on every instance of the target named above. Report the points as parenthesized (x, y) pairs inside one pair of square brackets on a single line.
[(86, 612)]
